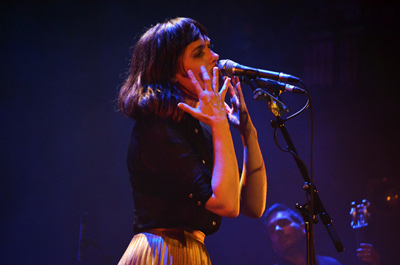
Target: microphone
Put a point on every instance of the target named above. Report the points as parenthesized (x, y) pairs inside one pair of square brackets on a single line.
[(275, 85), (229, 68)]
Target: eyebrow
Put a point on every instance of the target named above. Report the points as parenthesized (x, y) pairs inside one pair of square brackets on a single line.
[(205, 42), (198, 48)]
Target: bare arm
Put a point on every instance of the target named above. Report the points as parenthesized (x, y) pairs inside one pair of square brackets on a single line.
[(210, 110), (253, 182)]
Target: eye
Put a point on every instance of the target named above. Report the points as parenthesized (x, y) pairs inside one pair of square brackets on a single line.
[(199, 54)]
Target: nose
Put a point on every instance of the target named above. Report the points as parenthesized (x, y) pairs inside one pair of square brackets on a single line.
[(214, 57), (278, 228)]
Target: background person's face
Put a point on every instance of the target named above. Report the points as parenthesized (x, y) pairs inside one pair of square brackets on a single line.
[(284, 232)]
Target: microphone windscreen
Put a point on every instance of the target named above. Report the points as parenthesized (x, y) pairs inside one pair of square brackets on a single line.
[(226, 67)]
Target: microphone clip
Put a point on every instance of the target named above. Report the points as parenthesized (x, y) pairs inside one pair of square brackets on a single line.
[(275, 104)]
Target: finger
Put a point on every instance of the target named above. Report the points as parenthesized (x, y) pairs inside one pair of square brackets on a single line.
[(215, 79), (186, 108), (234, 97), (235, 80), (229, 110), (231, 90), (240, 94), (194, 82), (363, 248), (206, 79), (366, 245), (227, 85), (239, 88), (235, 102), (194, 112)]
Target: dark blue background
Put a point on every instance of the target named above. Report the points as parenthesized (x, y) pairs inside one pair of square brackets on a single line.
[(63, 144)]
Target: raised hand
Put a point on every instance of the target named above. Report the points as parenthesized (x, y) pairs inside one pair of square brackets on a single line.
[(211, 109), (237, 112)]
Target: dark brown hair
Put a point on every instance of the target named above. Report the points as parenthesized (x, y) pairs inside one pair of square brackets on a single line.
[(149, 89)]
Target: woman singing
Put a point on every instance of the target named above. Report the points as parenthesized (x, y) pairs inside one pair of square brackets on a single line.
[(181, 158)]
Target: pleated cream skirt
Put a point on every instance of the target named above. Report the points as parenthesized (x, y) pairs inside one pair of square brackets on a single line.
[(167, 247)]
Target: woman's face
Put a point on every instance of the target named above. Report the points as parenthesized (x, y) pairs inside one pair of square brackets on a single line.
[(197, 53)]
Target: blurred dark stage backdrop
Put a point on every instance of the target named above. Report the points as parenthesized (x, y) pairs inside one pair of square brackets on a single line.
[(63, 144)]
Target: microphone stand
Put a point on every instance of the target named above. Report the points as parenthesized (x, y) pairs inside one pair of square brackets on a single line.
[(315, 206)]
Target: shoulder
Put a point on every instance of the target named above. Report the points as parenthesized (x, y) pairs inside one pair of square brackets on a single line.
[(155, 128), (325, 260), (162, 133)]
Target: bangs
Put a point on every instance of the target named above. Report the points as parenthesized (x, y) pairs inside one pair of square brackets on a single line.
[(196, 32), (190, 31)]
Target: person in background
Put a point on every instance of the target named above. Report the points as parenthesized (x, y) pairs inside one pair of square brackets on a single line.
[(181, 158), (286, 231)]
